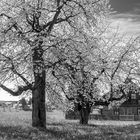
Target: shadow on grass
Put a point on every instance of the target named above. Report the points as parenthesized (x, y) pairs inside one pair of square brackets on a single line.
[(68, 131), (72, 131), (91, 131), (55, 131), (14, 132)]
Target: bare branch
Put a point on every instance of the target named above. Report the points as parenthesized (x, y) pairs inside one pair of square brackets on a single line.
[(23, 78), (18, 92), (3, 14), (55, 18), (81, 6), (98, 76), (119, 63), (30, 22), (15, 71)]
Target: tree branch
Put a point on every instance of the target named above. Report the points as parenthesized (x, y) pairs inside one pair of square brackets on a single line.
[(54, 20), (18, 74), (15, 71), (98, 76), (18, 92)]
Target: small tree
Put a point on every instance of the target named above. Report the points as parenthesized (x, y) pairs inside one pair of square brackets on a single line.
[(23, 102), (30, 101)]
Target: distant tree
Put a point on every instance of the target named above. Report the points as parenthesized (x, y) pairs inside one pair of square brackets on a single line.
[(23, 102), (30, 101)]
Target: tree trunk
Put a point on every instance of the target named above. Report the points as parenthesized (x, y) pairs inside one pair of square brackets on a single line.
[(84, 116), (38, 93), (38, 103), (84, 112)]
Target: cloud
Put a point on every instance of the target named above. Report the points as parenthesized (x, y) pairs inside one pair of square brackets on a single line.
[(136, 10), (128, 23)]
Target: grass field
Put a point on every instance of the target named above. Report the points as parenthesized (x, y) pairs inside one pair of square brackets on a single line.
[(17, 126)]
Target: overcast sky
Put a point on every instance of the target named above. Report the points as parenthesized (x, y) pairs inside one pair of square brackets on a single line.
[(127, 15), (123, 6)]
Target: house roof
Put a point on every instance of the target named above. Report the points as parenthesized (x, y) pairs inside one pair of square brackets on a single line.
[(125, 104)]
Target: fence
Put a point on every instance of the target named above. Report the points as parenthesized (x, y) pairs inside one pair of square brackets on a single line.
[(106, 117), (127, 117)]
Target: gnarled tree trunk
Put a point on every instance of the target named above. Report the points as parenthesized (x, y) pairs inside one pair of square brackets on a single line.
[(84, 112), (84, 116), (38, 93), (38, 103)]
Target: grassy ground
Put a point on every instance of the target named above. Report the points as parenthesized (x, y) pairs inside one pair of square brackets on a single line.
[(17, 126)]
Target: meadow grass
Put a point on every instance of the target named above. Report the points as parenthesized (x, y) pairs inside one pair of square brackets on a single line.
[(17, 126)]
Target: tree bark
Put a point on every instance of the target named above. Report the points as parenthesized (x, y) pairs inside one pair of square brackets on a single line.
[(84, 113), (84, 116), (38, 92), (38, 104)]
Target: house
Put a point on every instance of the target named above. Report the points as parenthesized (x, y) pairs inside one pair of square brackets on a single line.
[(7, 102), (7, 105), (129, 109)]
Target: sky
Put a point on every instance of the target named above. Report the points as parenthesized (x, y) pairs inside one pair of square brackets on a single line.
[(4, 96), (127, 16)]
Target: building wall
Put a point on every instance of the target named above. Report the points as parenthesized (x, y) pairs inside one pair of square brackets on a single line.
[(128, 111)]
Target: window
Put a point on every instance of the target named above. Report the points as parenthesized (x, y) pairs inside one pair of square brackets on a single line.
[(122, 111), (116, 112), (129, 111), (133, 96), (138, 111)]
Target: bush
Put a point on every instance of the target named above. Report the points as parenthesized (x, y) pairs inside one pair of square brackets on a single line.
[(23, 103)]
